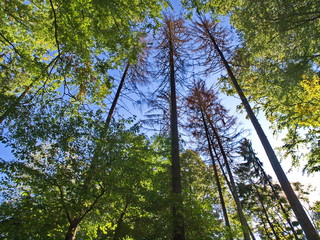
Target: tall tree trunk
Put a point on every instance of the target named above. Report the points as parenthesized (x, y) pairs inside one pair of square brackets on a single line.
[(119, 223), (178, 220), (72, 230), (300, 213), (116, 97), (266, 230), (244, 223), (223, 205), (229, 184)]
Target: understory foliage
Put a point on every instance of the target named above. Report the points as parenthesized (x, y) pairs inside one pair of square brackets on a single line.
[(82, 165), (112, 187)]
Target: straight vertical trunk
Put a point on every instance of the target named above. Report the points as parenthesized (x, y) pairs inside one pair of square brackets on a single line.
[(301, 215), (178, 221)]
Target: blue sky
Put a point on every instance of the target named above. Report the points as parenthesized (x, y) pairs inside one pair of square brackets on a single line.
[(231, 103)]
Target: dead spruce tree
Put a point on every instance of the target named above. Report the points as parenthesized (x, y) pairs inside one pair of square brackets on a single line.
[(169, 60), (211, 38), (207, 112)]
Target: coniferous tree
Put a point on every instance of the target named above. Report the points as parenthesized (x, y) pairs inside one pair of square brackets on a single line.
[(209, 35), (172, 37), (258, 186), (204, 104)]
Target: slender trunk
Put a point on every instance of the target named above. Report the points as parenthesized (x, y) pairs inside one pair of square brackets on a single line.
[(224, 210), (244, 223), (266, 230), (116, 97), (229, 184), (178, 221), (108, 121), (300, 213), (286, 215)]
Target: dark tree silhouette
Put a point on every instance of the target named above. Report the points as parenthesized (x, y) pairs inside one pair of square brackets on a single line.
[(135, 72), (252, 162)]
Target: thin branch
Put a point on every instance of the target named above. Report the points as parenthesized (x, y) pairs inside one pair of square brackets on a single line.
[(14, 48), (92, 204), (63, 202)]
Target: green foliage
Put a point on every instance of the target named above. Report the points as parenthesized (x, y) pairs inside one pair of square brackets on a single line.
[(63, 168), (69, 44), (199, 193), (279, 61), (69, 173), (66, 167), (316, 213)]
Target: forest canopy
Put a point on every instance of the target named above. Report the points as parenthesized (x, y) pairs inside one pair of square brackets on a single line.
[(85, 163)]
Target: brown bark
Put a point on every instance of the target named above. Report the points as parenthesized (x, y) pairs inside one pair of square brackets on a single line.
[(72, 230), (178, 220), (223, 205), (244, 223), (300, 213)]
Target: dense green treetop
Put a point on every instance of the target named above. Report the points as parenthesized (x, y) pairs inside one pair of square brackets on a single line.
[(70, 42), (70, 176)]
